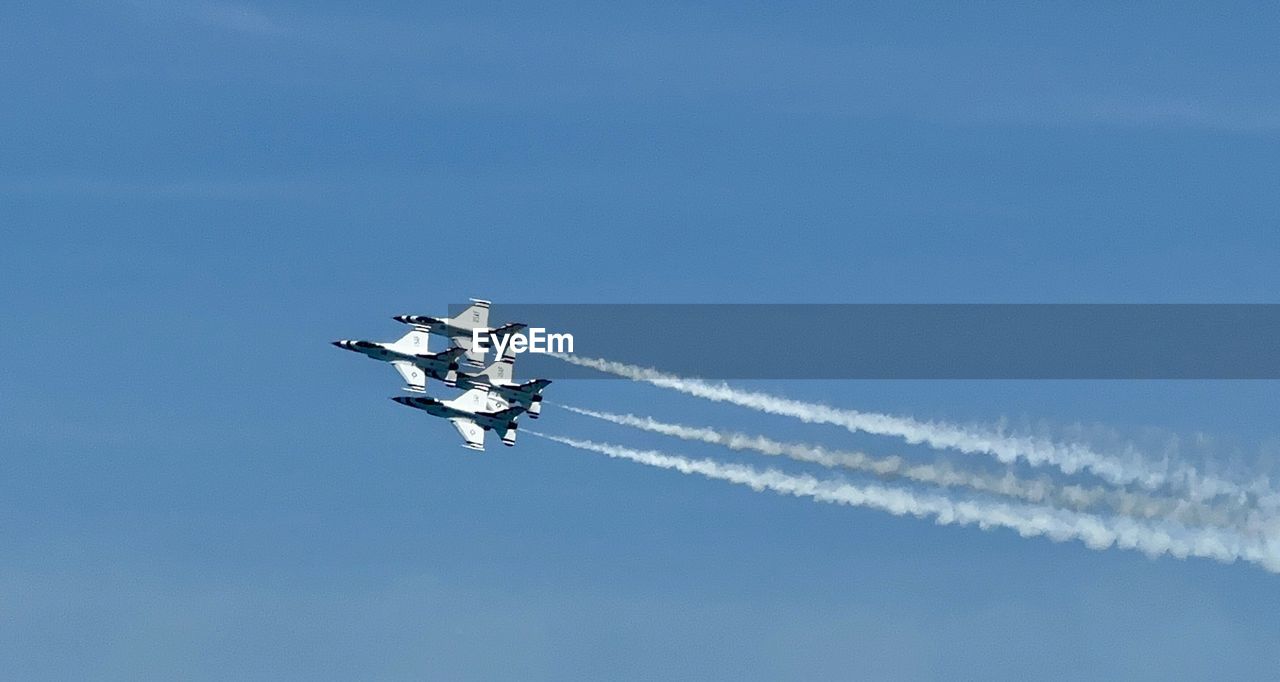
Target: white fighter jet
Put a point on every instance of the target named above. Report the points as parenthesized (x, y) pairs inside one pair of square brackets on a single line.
[(459, 329), (500, 377), (410, 357), (471, 413)]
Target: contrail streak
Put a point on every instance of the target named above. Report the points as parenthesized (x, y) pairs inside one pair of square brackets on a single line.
[(939, 473), (1068, 457), (1028, 521)]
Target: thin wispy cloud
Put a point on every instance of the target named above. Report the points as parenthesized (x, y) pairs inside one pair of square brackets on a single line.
[(1137, 112), (235, 17), (177, 189), (867, 79)]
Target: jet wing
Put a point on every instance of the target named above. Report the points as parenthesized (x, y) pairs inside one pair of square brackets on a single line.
[(414, 378), (472, 434)]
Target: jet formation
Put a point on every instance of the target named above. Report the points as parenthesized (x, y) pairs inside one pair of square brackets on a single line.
[(491, 400)]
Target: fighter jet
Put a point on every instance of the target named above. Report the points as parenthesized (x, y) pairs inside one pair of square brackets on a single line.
[(458, 329), (471, 413), (500, 377), (410, 357)]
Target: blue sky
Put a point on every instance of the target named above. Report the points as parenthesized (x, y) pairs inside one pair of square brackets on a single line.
[(198, 196)]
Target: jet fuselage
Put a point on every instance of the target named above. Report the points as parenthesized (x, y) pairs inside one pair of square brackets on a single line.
[(438, 365)]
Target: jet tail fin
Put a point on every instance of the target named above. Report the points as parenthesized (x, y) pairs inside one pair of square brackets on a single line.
[(470, 401), (413, 343), (473, 316), (500, 372)]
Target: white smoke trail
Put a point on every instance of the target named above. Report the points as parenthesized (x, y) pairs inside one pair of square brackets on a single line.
[(1041, 490), (1068, 457), (1028, 521)]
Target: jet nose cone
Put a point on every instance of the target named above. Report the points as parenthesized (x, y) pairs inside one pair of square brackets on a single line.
[(342, 343), (404, 319), (403, 400)]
